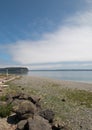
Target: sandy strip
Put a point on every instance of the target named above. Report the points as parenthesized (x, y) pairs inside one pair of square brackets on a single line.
[(40, 81)]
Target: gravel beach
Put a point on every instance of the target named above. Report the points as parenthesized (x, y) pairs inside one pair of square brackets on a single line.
[(54, 94), (40, 81)]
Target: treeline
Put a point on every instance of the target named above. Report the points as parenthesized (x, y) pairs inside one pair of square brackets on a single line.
[(14, 70)]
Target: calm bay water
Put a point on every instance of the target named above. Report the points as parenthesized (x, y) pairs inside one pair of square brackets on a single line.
[(81, 76)]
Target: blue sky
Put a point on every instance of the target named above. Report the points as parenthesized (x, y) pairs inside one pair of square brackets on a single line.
[(47, 34), (29, 19)]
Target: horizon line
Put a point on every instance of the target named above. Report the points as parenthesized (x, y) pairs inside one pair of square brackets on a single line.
[(62, 70)]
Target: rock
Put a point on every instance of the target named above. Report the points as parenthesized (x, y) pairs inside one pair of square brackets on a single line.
[(25, 109), (23, 96), (63, 100), (28, 116), (34, 99), (22, 89), (4, 125), (25, 116), (16, 102), (58, 125), (0, 90), (83, 103), (17, 96), (13, 96), (38, 123), (21, 125), (47, 114)]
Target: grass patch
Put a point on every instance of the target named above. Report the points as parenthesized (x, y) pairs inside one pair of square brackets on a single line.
[(52, 94), (81, 97), (5, 110), (3, 98)]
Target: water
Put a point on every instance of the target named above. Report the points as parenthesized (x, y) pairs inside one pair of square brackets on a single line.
[(80, 76)]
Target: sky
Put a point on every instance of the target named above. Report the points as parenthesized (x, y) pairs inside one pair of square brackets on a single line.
[(46, 34)]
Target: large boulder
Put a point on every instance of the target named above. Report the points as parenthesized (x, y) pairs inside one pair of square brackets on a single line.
[(38, 123), (25, 109), (15, 103), (36, 101)]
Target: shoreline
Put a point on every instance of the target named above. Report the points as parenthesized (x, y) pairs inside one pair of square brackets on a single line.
[(79, 81), (74, 84), (40, 81), (75, 76), (72, 106)]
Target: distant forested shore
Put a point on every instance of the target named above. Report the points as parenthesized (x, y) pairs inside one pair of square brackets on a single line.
[(14, 70)]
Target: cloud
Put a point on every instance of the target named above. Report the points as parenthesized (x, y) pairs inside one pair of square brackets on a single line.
[(62, 65), (67, 44), (70, 42), (88, 1), (81, 19)]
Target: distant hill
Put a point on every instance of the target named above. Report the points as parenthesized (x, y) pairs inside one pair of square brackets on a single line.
[(14, 70)]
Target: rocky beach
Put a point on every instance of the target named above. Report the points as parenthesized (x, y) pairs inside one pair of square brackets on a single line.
[(71, 102)]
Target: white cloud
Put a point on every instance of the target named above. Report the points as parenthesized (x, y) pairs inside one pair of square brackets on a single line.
[(47, 66), (62, 65), (67, 44), (71, 42), (81, 19)]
